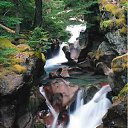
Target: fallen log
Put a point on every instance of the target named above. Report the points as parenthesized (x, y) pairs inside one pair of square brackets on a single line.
[(7, 29)]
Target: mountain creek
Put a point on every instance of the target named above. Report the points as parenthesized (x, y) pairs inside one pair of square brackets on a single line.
[(57, 75)]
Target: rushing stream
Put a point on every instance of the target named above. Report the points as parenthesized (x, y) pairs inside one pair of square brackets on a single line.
[(85, 115), (90, 115)]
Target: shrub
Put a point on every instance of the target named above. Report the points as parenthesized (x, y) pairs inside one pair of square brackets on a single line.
[(39, 39), (5, 56)]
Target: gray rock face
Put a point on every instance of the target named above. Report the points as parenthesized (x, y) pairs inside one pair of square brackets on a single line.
[(116, 116), (83, 39), (117, 41), (90, 92), (15, 97), (105, 48), (8, 116), (10, 83), (25, 121)]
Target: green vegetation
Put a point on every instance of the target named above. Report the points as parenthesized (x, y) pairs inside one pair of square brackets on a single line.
[(117, 20), (39, 21), (7, 49), (21, 19), (124, 91)]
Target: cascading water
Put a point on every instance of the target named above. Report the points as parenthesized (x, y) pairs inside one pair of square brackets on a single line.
[(75, 31), (57, 60), (90, 115), (85, 116), (47, 102), (79, 99), (52, 110)]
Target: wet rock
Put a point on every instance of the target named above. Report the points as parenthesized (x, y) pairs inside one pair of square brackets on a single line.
[(100, 126), (61, 72), (75, 50), (75, 71), (54, 49), (83, 39), (89, 93), (116, 116), (65, 72), (62, 86), (86, 64), (68, 55)]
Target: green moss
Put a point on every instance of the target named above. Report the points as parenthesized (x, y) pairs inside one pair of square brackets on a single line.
[(40, 56), (111, 8), (124, 90), (123, 30), (120, 22), (5, 43), (106, 24), (6, 56), (96, 54), (120, 63), (39, 125)]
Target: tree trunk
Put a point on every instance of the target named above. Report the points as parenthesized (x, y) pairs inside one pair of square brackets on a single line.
[(16, 3), (38, 13)]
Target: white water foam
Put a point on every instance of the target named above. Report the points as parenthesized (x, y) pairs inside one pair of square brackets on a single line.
[(57, 60), (41, 89), (90, 115), (75, 31), (79, 99)]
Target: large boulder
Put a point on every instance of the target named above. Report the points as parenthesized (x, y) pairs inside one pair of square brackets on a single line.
[(117, 41), (63, 87), (7, 116), (60, 93), (10, 83), (117, 115), (89, 93), (75, 50), (119, 64), (119, 67), (107, 53)]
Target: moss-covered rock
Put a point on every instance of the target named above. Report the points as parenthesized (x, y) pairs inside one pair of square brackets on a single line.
[(96, 54), (123, 91), (120, 63), (23, 47), (116, 18), (5, 43), (40, 55), (20, 69)]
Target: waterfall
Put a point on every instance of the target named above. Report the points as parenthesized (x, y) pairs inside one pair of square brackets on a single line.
[(57, 60), (54, 124), (52, 110), (75, 31), (90, 115), (47, 102), (79, 99)]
